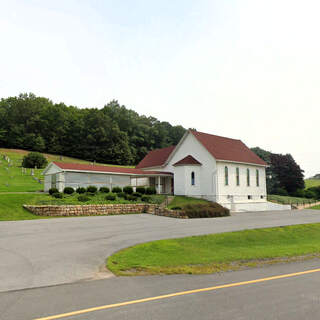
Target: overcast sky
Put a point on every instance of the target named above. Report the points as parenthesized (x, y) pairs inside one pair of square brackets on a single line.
[(244, 69)]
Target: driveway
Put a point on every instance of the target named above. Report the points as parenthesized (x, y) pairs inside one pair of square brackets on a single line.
[(39, 253)]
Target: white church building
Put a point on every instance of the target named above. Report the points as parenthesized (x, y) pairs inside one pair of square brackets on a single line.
[(202, 165)]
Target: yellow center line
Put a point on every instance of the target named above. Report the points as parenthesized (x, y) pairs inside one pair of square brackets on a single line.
[(181, 293)]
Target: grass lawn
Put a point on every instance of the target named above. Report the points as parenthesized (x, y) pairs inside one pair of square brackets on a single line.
[(218, 252), (181, 201), (315, 207), (289, 200), (11, 204), (13, 180), (312, 183)]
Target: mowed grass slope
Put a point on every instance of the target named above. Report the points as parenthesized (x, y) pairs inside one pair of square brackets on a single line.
[(181, 201), (11, 206), (12, 179), (288, 199), (312, 183), (218, 252)]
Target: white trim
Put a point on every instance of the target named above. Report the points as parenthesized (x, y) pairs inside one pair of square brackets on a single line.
[(247, 163), (49, 166)]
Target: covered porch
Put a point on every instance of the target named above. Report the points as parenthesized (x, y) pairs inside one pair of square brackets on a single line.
[(162, 182)]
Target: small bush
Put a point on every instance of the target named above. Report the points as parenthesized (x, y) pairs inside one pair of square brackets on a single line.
[(111, 197), (151, 190), (176, 208), (53, 190), (122, 195), (210, 210), (131, 197), (92, 189), (281, 192), (57, 195), (104, 189), (128, 190), (68, 190), (141, 190), (137, 194), (83, 198), (81, 190), (145, 198), (116, 190), (316, 191), (90, 194), (310, 194), (299, 193), (34, 159)]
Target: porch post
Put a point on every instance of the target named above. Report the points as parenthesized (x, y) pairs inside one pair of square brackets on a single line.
[(159, 186)]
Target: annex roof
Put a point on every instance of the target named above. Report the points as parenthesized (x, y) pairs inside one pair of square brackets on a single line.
[(188, 160), (227, 149), (106, 169), (155, 158)]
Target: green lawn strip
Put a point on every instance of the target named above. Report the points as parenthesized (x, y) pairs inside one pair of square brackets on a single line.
[(218, 252), (312, 183), (181, 201), (315, 207), (289, 200), (11, 205)]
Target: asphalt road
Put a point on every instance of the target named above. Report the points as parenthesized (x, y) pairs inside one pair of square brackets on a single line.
[(39, 253), (290, 298)]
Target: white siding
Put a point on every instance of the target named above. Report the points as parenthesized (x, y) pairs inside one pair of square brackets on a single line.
[(232, 193), (85, 179)]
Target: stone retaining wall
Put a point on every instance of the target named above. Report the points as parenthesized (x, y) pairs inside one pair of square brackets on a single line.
[(170, 213), (305, 205), (91, 209)]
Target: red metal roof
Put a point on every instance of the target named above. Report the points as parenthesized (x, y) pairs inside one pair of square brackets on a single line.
[(187, 161), (106, 169), (227, 149), (155, 158)]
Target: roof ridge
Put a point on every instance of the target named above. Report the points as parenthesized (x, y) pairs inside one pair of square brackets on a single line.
[(215, 135)]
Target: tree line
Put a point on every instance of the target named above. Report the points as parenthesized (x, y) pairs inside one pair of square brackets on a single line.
[(113, 134), (284, 175)]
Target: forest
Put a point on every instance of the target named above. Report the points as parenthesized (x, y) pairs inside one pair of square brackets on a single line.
[(113, 134)]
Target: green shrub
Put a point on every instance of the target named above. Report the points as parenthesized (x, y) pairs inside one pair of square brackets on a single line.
[(90, 194), (131, 197), (310, 194), (151, 190), (145, 198), (299, 193), (34, 159), (141, 190), (315, 190), (57, 195), (53, 190), (81, 190), (137, 194), (122, 195), (116, 190), (176, 208), (92, 189), (104, 189), (281, 192), (206, 210), (111, 197), (83, 198), (68, 190), (128, 190)]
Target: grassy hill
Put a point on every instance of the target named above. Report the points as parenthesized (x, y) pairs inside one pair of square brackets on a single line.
[(12, 179), (312, 183)]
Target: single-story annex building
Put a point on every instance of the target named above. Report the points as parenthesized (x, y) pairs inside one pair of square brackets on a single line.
[(201, 165)]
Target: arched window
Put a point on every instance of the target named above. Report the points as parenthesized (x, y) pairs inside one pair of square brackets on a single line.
[(257, 177), (248, 177), (226, 176), (192, 178), (238, 176)]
